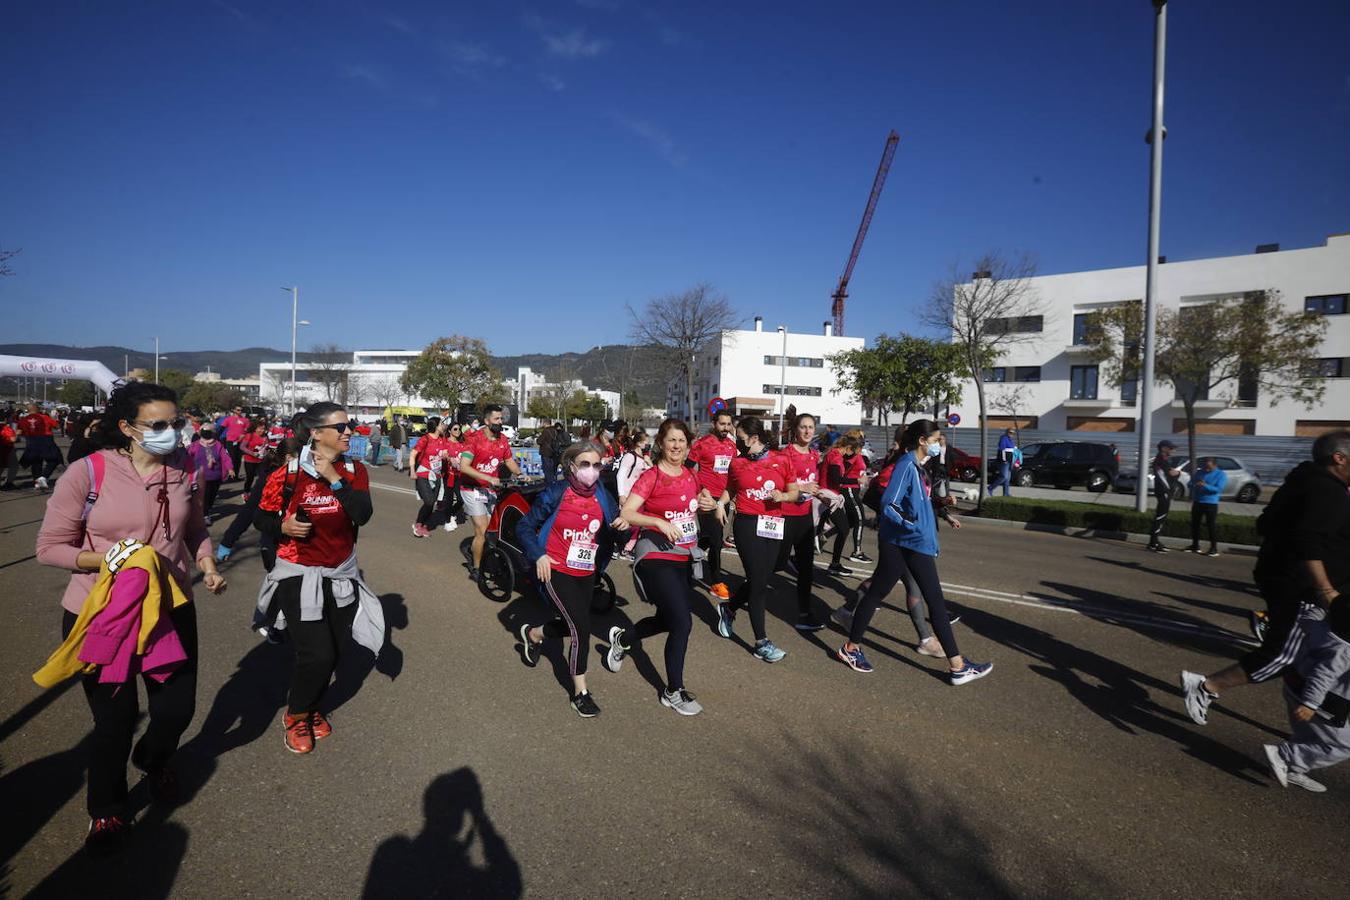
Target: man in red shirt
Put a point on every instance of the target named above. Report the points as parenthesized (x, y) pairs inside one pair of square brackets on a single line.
[(40, 453), (485, 452), (713, 454)]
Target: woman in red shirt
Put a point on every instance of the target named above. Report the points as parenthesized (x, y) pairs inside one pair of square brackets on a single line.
[(761, 481), (842, 473), (428, 466), (799, 541), (664, 503), (252, 448), (313, 507), (454, 504)]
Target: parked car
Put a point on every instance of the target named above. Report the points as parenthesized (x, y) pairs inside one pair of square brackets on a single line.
[(1064, 464), (1244, 485), (962, 466)]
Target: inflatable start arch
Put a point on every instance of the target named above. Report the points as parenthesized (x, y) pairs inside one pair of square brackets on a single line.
[(83, 369)]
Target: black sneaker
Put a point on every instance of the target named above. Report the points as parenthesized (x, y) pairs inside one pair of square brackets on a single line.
[(808, 622), (953, 616), (107, 835), (839, 570), (164, 790), (585, 705), (529, 651), (473, 574), (860, 557), (1157, 548)]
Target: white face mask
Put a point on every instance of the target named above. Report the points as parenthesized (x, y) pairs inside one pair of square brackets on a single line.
[(160, 443), (307, 461)]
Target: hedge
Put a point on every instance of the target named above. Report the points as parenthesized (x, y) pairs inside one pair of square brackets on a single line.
[(1074, 514)]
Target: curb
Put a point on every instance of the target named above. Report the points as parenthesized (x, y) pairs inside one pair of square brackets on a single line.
[(1124, 536)]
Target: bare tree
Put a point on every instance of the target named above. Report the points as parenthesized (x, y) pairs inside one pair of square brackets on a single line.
[(358, 389), (5, 257), (277, 380), (682, 325), (387, 391), (992, 311), (1010, 400), (328, 365)]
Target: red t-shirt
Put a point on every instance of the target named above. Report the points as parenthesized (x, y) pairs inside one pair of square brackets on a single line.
[(429, 456), (450, 473), (253, 446), (333, 536), (674, 498), (752, 481), (714, 456), (884, 476), (486, 455), (37, 425), (852, 468), (573, 544), (804, 468)]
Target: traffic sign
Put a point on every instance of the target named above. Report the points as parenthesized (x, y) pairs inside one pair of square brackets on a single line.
[(715, 406), (953, 420)]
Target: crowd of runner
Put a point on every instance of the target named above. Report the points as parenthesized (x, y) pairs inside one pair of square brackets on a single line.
[(131, 523)]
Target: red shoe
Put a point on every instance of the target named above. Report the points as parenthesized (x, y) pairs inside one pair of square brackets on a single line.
[(299, 733), (107, 835), (319, 724), (419, 531)]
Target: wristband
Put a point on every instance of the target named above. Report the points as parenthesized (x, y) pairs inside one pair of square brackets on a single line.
[(336, 485)]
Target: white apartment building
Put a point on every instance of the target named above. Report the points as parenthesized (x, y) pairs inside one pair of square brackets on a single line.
[(249, 388), (529, 384), (371, 382), (1062, 389), (748, 368)]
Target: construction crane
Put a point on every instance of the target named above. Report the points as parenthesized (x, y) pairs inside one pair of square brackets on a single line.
[(841, 292)]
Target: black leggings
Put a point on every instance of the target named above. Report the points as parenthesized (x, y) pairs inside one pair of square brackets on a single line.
[(209, 491), (891, 566), (847, 520), (1206, 513), (250, 473), (571, 596), (799, 545), (116, 710), (432, 512), (1159, 517), (666, 584), (317, 644), (759, 557), (710, 540)]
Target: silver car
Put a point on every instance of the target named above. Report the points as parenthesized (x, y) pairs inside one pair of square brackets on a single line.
[(1244, 485)]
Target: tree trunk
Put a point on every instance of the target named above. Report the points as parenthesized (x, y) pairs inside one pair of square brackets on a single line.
[(984, 443), (689, 391), (1190, 438)]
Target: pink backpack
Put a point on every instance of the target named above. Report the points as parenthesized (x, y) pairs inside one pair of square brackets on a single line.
[(96, 466)]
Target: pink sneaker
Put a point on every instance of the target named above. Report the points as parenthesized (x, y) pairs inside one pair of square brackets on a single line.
[(419, 531)]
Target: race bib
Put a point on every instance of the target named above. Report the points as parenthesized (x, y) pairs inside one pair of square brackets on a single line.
[(581, 556), (688, 526), (721, 464), (770, 527)]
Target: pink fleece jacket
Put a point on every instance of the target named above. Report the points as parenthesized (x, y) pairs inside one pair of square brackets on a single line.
[(111, 639), (127, 506)]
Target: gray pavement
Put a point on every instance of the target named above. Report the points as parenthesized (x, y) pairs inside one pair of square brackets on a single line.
[(1111, 498), (455, 771)]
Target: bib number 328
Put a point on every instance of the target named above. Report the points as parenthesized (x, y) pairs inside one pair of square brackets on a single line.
[(581, 556)]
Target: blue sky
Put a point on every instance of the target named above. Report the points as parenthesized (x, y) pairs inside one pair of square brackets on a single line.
[(520, 172)]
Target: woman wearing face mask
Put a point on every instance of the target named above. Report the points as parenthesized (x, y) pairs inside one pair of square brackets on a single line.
[(799, 539), (313, 508), (908, 540), (453, 511), (761, 481), (664, 503), (213, 465), (147, 492), (841, 472), (567, 535), (428, 466), (630, 467)]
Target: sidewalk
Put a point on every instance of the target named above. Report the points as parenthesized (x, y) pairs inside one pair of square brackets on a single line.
[(1111, 498)]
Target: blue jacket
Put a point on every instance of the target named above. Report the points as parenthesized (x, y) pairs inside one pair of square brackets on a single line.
[(533, 529), (907, 517), (1207, 486), (1005, 448)]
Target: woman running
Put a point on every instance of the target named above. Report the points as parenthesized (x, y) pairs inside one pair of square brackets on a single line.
[(760, 481), (147, 492), (252, 449), (636, 459), (454, 506), (568, 537), (428, 467), (664, 503), (213, 463), (908, 540), (840, 472), (312, 508), (799, 540)]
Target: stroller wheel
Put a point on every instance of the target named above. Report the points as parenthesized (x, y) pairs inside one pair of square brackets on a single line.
[(602, 601), (496, 578)]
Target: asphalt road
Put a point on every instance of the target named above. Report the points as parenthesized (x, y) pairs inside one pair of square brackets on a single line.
[(456, 771)]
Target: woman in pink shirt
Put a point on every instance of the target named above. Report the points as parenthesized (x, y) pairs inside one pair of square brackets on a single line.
[(148, 492)]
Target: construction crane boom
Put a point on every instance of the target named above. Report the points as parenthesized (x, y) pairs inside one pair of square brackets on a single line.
[(841, 292)]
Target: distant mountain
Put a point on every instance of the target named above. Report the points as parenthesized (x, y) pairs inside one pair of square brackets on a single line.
[(614, 367)]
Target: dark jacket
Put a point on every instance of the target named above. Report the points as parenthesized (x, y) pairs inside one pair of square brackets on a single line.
[(1307, 519), (533, 529)]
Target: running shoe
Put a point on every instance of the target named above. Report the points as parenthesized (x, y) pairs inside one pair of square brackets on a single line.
[(808, 622), (843, 617), (1259, 621), (1278, 767), (614, 656), (720, 591), (766, 651), (299, 733), (1194, 548), (223, 553), (728, 543), (473, 574), (839, 570), (418, 530), (321, 726), (854, 659), (970, 672), (449, 526), (930, 647), (1197, 697), (1213, 551), (585, 705), (682, 702), (726, 617), (860, 557), (107, 835), (529, 651), (952, 616), (40, 484), (272, 634), (1158, 548), (1299, 779)]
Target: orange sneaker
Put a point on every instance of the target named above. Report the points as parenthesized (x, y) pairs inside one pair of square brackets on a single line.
[(720, 591), (320, 725), (299, 733)]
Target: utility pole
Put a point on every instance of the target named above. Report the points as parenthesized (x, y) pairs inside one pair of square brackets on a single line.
[(1156, 136), (782, 381), (156, 360)]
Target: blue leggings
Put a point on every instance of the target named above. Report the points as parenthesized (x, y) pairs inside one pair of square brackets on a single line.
[(891, 566), (666, 585)]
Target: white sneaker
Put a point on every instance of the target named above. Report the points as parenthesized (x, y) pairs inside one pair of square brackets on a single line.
[(1278, 767), (40, 484), (614, 656), (1300, 780), (682, 702), (449, 526), (1196, 696)]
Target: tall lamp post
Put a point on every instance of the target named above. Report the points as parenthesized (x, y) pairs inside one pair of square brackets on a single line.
[(782, 380), (156, 360), (1157, 134), (296, 322)]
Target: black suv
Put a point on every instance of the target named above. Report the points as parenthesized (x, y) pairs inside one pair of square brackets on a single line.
[(1064, 464)]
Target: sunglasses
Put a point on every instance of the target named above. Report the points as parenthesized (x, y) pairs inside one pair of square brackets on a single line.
[(339, 427), (161, 424), (590, 465)]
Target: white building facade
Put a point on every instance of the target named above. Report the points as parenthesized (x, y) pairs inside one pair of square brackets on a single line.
[(759, 372), (1062, 389), (367, 384)]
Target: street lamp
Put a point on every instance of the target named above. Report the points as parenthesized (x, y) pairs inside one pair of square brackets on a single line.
[(782, 380), (157, 359), (296, 322), (1156, 136)]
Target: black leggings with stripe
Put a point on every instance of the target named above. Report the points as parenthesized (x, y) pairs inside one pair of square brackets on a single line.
[(847, 519), (570, 596)]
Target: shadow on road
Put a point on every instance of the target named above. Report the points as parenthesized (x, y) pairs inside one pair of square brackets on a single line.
[(146, 869), (1208, 581), (356, 662), (458, 853)]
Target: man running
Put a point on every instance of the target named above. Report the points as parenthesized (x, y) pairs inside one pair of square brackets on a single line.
[(232, 430), (1163, 474), (485, 452), (40, 453), (713, 454)]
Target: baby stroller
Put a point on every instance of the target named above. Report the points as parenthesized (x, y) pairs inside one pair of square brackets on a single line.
[(505, 568)]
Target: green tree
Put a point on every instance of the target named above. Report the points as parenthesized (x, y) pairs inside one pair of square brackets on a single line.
[(210, 397), (1248, 339), (76, 393), (453, 370), (176, 380), (542, 406), (904, 374)]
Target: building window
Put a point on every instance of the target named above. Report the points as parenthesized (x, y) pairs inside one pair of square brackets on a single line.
[(1129, 393), (796, 362), (1027, 373), (1080, 329), (1248, 383), (996, 374), (1331, 368), (1083, 382), (793, 390), (1017, 325), (1327, 304)]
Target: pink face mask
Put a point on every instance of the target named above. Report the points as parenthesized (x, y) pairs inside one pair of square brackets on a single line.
[(587, 476)]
